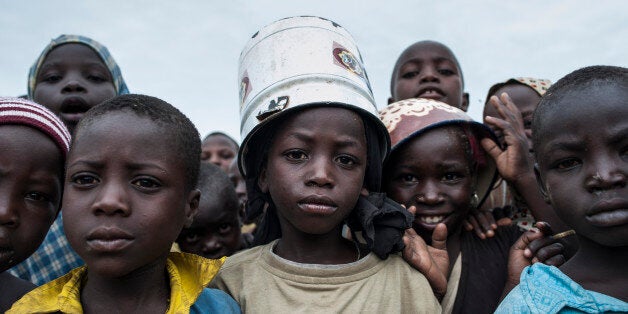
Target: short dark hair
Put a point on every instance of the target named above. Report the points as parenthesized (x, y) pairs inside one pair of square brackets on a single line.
[(592, 76), (215, 185), (173, 121)]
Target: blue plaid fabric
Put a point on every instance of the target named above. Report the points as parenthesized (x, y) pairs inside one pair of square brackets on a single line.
[(545, 289), (53, 258), (116, 74)]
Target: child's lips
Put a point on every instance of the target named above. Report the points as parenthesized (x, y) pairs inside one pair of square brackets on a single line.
[(316, 204), (109, 239), (430, 93), (608, 213)]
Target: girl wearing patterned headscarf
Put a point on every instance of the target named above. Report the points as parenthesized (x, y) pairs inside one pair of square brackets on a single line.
[(72, 74), (518, 198)]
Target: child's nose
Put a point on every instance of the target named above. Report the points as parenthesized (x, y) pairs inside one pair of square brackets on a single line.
[(8, 214), (429, 194), (111, 201), (321, 173), (606, 174), (73, 85), (428, 74), (210, 245)]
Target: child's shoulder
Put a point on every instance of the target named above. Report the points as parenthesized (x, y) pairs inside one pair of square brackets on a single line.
[(545, 289), (245, 256), (214, 301), (45, 298)]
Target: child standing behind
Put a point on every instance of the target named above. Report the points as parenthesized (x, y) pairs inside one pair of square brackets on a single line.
[(72, 74), (428, 69), (215, 231), (34, 147), (129, 191), (312, 150), (219, 149), (580, 138), (504, 201)]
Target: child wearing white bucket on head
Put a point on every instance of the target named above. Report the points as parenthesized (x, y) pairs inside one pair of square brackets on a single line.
[(312, 154)]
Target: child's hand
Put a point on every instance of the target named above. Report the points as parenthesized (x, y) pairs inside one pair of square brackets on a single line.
[(481, 222), (513, 161), (534, 246), (431, 261)]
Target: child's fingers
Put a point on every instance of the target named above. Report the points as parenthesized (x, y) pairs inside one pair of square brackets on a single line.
[(547, 251), (525, 239), (467, 225), (476, 227), (556, 260), (439, 237), (486, 225), (491, 147), (412, 210)]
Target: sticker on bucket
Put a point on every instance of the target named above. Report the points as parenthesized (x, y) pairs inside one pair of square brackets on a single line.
[(245, 87), (344, 58), (274, 107)]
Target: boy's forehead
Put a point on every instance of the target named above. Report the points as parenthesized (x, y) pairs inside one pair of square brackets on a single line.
[(600, 107), (427, 49)]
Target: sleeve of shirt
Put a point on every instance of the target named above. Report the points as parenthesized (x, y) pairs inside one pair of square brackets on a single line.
[(214, 301)]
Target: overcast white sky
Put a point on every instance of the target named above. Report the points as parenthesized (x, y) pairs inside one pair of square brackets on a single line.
[(186, 52)]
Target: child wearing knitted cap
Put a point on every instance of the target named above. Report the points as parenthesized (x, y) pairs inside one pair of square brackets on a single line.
[(312, 154), (129, 190), (72, 74), (34, 147), (438, 169)]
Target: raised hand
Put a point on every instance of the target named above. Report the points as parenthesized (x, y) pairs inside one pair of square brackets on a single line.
[(432, 261)]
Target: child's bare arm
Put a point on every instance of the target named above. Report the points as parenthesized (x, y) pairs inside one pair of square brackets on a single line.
[(514, 162)]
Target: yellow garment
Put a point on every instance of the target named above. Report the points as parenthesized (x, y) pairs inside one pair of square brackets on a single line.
[(188, 273)]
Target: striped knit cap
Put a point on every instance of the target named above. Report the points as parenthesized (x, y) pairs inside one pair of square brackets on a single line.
[(25, 112)]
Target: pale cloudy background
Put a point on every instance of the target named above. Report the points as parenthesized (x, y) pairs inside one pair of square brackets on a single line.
[(186, 52)]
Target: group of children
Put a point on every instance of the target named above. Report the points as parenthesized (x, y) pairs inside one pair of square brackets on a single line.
[(110, 201)]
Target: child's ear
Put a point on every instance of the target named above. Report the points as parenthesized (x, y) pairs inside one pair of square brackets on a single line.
[(262, 181), (364, 192), (192, 207), (465, 102), (539, 182), (391, 100)]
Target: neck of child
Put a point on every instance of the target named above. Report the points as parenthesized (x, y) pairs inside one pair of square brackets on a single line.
[(146, 289), (329, 248), (599, 268)]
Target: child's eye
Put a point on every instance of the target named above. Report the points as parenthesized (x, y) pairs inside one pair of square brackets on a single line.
[(346, 160), (84, 180), (224, 228), (567, 164), (37, 197), (452, 177), (192, 237), (51, 78), (295, 155), (446, 72), (409, 75), (146, 183), (226, 155), (409, 178), (97, 78)]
